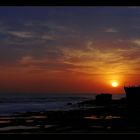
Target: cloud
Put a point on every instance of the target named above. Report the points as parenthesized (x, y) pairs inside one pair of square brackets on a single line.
[(110, 30), (38, 34), (35, 65), (48, 37), (90, 59), (28, 60), (136, 42), (102, 61), (21, 34)]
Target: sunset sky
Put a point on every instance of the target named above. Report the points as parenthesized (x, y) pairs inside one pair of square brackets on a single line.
[(69, 49)]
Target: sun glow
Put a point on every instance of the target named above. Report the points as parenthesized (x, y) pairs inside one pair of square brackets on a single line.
[(114, 84)]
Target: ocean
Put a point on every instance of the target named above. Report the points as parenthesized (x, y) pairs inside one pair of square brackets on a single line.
[(22, 103)]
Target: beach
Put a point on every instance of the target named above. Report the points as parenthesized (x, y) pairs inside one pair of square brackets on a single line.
[(84, 120), (67, 114)]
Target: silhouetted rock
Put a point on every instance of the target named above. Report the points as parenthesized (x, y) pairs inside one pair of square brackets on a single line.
[(103, 99)]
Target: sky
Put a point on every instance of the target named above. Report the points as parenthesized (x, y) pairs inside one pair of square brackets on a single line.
[(69, 49)]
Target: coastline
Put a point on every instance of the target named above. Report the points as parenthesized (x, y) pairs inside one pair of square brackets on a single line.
[(83, 120)]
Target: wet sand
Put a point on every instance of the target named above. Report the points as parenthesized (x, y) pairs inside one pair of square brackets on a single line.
[(73, 121), (110, 118)]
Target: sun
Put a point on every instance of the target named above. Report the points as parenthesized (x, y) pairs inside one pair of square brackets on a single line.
[(114, 84)]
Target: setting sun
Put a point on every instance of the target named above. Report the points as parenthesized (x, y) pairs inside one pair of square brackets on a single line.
[(114, 84)]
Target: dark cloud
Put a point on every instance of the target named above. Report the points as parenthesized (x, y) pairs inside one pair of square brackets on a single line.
[(71, 38)]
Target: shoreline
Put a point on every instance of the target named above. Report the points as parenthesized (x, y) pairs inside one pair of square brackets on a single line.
[(89, 116), (70, 121)]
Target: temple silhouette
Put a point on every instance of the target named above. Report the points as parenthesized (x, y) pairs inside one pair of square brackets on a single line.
[(133, 95)]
